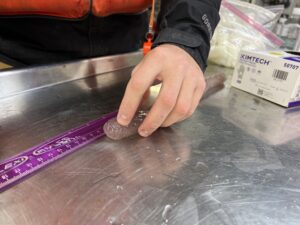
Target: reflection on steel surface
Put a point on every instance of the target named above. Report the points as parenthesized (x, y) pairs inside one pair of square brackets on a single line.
[(15, 81), (266, 121)]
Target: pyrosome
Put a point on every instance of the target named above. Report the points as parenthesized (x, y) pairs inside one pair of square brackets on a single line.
[(115, 131)]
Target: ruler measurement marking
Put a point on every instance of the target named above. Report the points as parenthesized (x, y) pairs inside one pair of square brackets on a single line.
[(26, 163)]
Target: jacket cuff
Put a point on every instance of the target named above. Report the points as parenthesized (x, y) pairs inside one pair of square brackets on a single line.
[(193, 45)]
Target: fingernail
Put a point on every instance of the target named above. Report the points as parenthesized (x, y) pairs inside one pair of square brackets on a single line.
[(144, 133), (122, 119)]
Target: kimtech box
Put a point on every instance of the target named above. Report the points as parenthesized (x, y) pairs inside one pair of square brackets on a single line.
[(272, 75)]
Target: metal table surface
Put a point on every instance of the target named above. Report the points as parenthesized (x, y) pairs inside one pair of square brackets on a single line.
[(236, 161)]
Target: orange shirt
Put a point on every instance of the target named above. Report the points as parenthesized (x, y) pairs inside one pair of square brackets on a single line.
[(71, 9)]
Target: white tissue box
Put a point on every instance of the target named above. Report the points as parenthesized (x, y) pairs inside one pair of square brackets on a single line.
[(272, 75)]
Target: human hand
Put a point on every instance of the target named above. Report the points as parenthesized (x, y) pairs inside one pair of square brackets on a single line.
[(183, 85)]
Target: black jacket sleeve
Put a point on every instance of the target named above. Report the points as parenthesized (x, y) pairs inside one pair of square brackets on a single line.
[(188, 24)]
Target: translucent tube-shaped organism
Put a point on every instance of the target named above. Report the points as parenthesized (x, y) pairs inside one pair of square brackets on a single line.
[(115, 131)]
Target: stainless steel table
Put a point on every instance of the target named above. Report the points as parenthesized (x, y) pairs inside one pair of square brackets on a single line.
[(235, 162)]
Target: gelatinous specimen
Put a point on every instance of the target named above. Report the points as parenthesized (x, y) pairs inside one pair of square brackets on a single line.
[(115, 131)]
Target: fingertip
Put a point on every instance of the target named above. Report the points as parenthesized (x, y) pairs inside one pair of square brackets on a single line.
[(122, 119), (144, 133)]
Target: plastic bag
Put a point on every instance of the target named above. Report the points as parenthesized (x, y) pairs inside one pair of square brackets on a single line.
[(278, 11), (237, 31), (261, 15)]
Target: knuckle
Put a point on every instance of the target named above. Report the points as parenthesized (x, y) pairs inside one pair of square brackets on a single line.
[(158, 53), (183, 110), (168, 100), (183, 65), (136, 84), (182, 68)]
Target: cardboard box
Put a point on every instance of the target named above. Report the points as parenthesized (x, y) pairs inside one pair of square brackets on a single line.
[(272, 75)]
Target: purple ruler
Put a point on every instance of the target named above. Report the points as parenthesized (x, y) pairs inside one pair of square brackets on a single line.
[(24, 164)]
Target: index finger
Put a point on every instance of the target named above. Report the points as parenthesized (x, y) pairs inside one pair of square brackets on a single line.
[(141, 79)]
